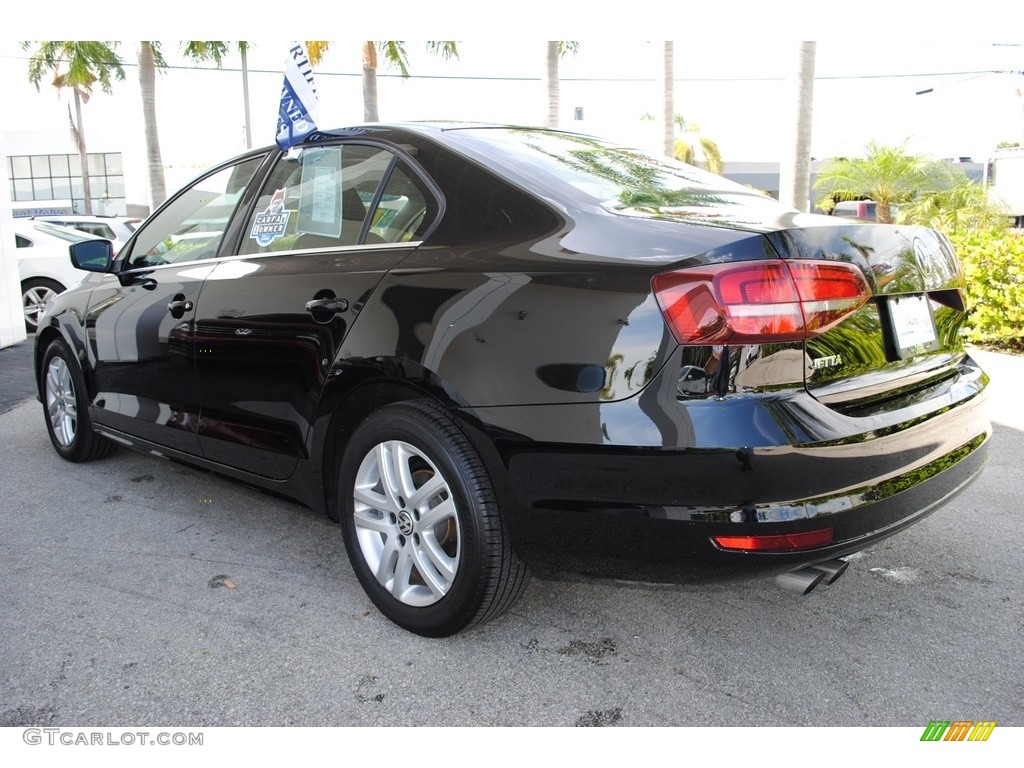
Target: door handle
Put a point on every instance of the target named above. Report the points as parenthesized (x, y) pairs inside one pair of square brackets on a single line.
[(178, 306), (333, 305)]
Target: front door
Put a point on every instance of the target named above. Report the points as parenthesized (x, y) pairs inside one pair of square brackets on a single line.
[(141, 320)]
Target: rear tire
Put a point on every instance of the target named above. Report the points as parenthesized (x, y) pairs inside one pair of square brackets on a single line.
[(421, 522), (67, 407)]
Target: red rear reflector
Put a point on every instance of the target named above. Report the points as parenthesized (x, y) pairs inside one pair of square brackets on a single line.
[(782, 543), (756, 302)]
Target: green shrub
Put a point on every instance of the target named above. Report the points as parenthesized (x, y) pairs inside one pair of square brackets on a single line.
[(993, 262)]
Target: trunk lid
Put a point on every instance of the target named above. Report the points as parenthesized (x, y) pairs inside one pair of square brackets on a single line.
[(903, 342)]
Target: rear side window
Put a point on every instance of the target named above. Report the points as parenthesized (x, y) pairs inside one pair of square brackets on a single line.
[(405, 210), (331, 197)]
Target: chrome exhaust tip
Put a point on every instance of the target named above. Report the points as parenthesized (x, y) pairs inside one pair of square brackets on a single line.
[(832, 569), (801, 581)]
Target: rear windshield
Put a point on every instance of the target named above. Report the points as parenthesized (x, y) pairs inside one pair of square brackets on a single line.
[(608, 175)]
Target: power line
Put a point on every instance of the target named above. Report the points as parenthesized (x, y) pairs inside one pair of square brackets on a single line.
[(512, 78)]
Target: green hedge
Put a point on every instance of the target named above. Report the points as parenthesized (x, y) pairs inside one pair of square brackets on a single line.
[(993, 262)]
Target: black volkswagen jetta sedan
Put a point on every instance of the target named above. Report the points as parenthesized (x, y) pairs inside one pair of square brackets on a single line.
[(478, 347)]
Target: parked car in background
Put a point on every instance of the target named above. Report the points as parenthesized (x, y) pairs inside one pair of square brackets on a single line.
[(44, 264), (117, 229), (478, 347), (1004, 180), (864, 210), (855, 209)]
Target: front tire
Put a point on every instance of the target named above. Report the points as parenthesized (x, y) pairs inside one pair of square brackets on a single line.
[(421, 522), (67, 407)]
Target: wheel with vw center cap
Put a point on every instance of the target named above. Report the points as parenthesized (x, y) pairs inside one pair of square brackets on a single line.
[(421, 522)]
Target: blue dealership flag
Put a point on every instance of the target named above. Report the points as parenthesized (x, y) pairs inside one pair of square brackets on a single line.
[(296, 117)]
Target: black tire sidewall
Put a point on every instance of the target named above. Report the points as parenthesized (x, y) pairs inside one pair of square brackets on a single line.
[(470, 491)]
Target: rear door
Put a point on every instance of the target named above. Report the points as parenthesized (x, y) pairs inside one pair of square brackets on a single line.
[(329, 223)]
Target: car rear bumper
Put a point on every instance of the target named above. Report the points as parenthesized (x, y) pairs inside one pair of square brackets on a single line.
[(651, 513)]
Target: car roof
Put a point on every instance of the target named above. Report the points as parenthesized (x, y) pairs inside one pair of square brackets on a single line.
[(487, 144), (82, 217)]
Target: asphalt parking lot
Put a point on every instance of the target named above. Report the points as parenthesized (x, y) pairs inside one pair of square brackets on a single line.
[(117, 610)]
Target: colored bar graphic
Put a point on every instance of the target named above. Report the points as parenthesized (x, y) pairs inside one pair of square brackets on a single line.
[(935, 730), (982, 730), (958, 730)]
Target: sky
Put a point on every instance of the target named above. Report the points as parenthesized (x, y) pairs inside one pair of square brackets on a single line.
[(732, 77)]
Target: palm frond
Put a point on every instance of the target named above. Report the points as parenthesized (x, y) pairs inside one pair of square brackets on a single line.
[(202, 51), (316, 50)]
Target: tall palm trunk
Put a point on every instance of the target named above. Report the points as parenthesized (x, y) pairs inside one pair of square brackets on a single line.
[(668, 108), (79, 134), (551, 77), (370, 82), (795, 171), (243, 48), (154, 161), (883, 212)]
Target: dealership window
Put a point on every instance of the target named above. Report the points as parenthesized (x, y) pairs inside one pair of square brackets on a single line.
[(58, 178)]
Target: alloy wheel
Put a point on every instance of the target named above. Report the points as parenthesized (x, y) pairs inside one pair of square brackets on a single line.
[(406, 523), (34, 300), (61, 405)]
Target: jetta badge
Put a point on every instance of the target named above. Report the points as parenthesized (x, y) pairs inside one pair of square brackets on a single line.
[(829, 361)]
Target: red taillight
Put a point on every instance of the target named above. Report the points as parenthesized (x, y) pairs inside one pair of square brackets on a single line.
[(780, 543), (758, 302)]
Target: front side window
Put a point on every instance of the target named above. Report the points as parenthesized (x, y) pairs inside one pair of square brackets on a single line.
[(192, 226)]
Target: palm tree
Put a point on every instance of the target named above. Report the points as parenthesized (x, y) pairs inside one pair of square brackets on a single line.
[(78, 65), (216, 50), (151, 59), (202, 51), (668, 111), (960, 207), (795, 172), (685, 149), (393, 52), (887, 175), (556, 50)]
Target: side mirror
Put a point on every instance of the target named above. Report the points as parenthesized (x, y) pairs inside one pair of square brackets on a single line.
[(92, 255)]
